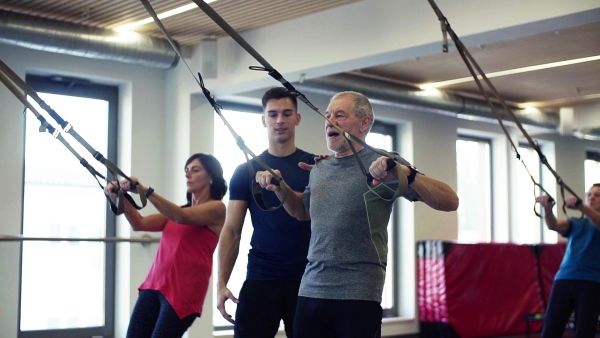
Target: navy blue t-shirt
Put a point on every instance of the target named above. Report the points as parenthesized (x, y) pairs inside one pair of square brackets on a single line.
[(279, 243)]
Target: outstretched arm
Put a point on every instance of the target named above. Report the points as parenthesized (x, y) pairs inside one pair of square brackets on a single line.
[(559, 225), (211, 213), (154, 222), (573, 202), (592, 215), (435, 193)]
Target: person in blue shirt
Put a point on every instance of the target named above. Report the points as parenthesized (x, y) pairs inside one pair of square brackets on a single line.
[(577, 283), (279, 243)]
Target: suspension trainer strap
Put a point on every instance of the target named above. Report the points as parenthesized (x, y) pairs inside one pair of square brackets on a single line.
[(277, 76), (45, 126), (9, 78), (256, 189), (477, 73)]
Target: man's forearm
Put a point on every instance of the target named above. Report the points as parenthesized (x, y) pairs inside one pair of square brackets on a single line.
[(435, 193), (551, 221), (293, 203), (229, 247), (592, 215)]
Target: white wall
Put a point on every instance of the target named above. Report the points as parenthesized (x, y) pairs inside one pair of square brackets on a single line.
[(163, 120)]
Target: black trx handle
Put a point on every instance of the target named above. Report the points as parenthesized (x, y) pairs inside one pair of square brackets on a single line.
[(390, 164)]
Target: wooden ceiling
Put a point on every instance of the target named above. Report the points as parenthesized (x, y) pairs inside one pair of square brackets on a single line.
[(186, 28), (550, 88)]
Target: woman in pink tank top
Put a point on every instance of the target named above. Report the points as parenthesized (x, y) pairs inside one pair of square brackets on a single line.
[(173, 293)]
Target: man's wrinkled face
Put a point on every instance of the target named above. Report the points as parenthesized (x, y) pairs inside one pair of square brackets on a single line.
[(340, 112)]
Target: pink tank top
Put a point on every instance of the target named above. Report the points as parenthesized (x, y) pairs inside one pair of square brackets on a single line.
[(182, 267)]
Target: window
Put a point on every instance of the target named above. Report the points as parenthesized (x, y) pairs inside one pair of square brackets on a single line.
[(529, 228), (473, 158), (249, 127), (592, 168), (67, 288)]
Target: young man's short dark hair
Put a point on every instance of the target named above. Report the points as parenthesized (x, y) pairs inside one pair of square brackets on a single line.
[(277, 93)]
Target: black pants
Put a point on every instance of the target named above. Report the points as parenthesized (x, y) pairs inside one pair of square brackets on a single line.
[(154, 317), (567, 296), (263, 304), (332, 318)]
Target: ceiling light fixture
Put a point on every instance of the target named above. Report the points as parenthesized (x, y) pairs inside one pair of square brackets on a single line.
[(178, 10), (511, 72)]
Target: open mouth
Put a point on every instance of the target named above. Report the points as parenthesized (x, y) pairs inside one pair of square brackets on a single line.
[(333, 133)]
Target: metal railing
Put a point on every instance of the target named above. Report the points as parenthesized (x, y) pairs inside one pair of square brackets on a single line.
[(144, 240)]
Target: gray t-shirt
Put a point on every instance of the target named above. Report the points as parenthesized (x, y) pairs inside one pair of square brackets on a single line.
[(347, 256)]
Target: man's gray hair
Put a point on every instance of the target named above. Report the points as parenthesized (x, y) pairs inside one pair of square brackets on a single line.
[(362, 105)]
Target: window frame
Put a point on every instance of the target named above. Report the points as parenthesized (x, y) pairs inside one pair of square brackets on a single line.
[(540, 181), (391, 130), (77, 87), (593, 155)]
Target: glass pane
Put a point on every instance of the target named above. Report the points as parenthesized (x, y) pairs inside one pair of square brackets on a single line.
[(528, 230), (63, 282), (385, 142), (474, 191), (592, 173), (250, 128)]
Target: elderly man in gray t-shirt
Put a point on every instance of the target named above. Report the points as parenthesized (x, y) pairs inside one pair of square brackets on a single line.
[(340, 292)]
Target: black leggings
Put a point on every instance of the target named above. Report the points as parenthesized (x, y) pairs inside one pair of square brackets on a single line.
[(567, 296), (154, 317)]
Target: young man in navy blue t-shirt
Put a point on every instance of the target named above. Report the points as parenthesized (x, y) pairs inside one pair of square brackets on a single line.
[(279, 243)]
